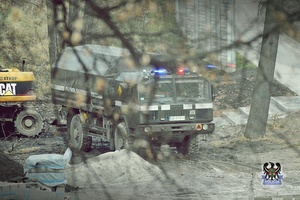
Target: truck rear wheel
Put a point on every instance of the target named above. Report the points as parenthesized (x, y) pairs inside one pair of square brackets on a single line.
[(121, 137), (77, 140), (29, 123)]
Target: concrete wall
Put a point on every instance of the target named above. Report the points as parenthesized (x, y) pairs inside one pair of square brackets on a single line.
[(209, 25)]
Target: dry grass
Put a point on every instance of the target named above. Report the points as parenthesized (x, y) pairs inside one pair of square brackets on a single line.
[(284, 133), (22, 151)]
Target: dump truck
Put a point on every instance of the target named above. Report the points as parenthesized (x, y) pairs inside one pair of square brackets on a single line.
[(102, 94), (17, 103)]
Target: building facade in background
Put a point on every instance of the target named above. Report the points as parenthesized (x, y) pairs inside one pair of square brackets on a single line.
[(209, 25)]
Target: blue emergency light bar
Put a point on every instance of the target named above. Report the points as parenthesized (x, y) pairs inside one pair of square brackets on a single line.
[(159, 72), (209, 66), (162, 71)]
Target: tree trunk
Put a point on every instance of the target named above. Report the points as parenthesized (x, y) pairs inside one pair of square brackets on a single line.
[(51, 33), (258, 116), (76, 13)]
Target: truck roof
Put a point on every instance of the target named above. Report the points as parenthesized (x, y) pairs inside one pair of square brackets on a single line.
[(94, 59), (105, 60)]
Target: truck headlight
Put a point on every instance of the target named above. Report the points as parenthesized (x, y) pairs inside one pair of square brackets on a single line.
[(147, 129), (205, 127)]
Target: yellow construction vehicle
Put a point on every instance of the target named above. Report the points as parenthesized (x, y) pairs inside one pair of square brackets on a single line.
[(17, 99)]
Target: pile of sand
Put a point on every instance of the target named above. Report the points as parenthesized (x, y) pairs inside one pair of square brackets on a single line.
[(112, 168)]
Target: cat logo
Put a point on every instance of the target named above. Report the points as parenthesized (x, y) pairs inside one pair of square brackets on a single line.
[(8, 89)]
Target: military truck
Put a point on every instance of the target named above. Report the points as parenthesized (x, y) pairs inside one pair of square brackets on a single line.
[(17, 109), (102, 95)]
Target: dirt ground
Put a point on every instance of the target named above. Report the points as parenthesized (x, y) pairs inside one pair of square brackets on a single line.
[(226, 165)]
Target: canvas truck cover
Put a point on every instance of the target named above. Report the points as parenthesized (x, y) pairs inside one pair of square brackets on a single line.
[(93, 59), (81, 70), (101, 61)]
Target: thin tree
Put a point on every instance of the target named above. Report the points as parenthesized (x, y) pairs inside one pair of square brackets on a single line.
[(51, 32), (258, 116)]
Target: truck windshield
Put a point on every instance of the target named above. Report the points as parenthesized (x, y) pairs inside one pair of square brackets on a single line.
[(191, 89), (179, 89), (164, 89), (164, 92)]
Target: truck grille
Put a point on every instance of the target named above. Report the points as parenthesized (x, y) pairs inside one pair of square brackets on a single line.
[(164, 115), (168, 113)]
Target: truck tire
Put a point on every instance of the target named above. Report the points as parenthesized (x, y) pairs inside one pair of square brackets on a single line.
[(194, 145), (189, 145), (121, 137), (76, 139), (86, 144), (29, 123), (183, 147)]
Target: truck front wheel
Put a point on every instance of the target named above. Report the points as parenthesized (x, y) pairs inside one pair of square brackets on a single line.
[(183, 147), (189, 145)]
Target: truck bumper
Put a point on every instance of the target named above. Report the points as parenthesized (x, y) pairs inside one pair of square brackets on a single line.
[(174, 133)]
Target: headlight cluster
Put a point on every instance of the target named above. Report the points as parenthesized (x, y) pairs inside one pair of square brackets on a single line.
[(200, 127)]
